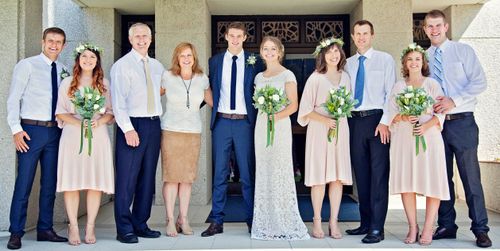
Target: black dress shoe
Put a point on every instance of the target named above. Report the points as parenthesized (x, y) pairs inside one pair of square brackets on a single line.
[(357, 231), (482, 240), (373, 236), (213, 229), (127, 238), (14, 242), (147, 233), (249, 225), (50, 235), (445, 233)]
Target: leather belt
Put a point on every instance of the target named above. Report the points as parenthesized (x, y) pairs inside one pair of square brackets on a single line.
[(150, 118), (231, 116), (458, 115), (39, 123), (366, 113)]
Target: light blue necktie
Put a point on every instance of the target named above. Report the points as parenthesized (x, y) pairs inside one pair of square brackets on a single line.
[(437, 71), (360, 82)]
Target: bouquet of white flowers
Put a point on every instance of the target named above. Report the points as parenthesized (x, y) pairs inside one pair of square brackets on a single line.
[(86, 105), (414, 102), (338, 104), (269, 100)]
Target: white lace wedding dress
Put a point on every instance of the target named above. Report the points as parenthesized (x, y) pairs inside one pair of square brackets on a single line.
[(276, 213)]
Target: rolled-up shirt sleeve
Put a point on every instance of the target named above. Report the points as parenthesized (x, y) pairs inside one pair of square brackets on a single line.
[(20, 78), (120, 89)]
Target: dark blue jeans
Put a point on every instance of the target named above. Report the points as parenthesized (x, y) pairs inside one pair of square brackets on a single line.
[(43, 147), (461, 138)]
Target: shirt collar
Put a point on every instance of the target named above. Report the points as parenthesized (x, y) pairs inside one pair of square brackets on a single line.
[(138, 57), (443, 46), (47, 60), (240, 55), (368, 53)]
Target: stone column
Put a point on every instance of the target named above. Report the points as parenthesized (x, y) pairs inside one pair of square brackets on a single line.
[(175, 22)]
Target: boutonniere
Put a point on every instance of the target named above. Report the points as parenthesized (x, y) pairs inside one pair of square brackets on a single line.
[(251, 60), (64, 73)]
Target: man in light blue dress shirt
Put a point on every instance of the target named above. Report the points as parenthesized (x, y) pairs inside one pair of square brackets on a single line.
[(135, 89), (31, 116), (372, 75), (456, 67)]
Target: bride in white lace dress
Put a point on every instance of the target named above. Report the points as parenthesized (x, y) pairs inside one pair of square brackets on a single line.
[(276, 213)]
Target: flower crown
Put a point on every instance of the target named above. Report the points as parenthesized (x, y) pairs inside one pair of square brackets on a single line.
[(414, 47), (86, 46), (327, 42)]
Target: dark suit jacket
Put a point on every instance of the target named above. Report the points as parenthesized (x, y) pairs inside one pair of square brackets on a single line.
[(215, 64)]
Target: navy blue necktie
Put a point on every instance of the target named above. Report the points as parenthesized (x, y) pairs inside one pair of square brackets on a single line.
[(54, 91), (233, 84), (360, 82)]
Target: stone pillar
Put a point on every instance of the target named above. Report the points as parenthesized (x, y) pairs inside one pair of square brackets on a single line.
[(393, 26), (175, 22)]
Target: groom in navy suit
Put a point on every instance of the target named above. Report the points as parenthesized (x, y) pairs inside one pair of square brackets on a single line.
[(233, 121)]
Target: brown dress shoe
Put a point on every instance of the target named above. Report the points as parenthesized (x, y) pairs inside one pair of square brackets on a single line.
[(213, 229), (482, 240), (14, 242)]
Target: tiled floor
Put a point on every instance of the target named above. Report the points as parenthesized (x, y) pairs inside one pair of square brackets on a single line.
[(235, 235)]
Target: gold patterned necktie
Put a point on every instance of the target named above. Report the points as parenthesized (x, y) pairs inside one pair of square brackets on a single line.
[(149, 82)]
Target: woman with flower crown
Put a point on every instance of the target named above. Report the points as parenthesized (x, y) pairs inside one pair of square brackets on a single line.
[(276, 214), (76, 172), (325, 162), (423, 173)]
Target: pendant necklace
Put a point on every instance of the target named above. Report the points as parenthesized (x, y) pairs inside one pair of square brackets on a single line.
[(188, 88)]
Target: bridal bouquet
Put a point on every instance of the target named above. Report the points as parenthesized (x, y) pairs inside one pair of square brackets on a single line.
[(269, 100), (414, 102), (338, 104), (86, 105)]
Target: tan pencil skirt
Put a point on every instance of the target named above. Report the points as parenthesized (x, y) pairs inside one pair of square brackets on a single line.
[(179, 156)]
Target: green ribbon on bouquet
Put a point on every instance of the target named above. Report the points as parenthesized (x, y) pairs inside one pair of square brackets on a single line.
[(87, 134), (419, 139), (334, 133), (270, 129)]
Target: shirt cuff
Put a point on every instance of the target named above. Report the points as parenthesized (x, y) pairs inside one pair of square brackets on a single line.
[(127, 127), (457, 100), (16, 128), (385, 119)]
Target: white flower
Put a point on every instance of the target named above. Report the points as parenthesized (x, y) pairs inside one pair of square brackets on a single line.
[(89, 96), (323, 44), (412, 46), (251, 60), (96, 106), (102, 110), (332, 91), (97, 97), (410, 88), (342, 101), (276, 97), (409, 95), (261, 100), (339, 111)]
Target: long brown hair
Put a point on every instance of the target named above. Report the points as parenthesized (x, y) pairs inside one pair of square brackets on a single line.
[(176, 68), (97, 75), (321, 65), (425, 65)]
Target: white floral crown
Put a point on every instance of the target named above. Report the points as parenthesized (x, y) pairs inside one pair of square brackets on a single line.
[(327, 42), (86, 46), (414, 47)]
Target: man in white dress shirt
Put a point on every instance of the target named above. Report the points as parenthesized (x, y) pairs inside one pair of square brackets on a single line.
[(31, 116), (372, 75), (135, 89), (456, 67)]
